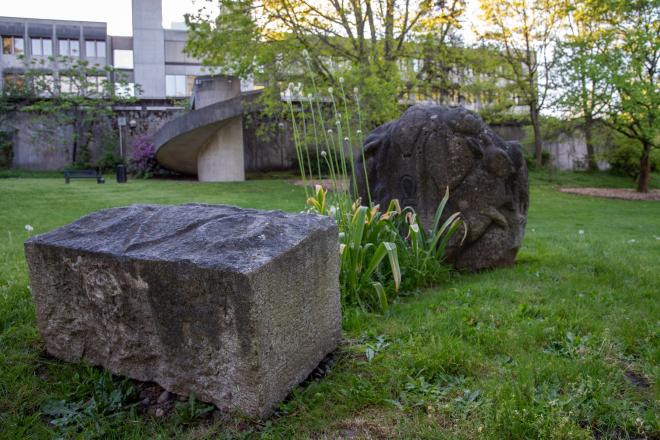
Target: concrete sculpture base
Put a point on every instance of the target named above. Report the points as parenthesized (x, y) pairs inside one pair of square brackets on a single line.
[(221, 159), (208, 140)]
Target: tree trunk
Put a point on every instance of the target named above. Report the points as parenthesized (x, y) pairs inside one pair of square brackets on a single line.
[(644, 169), (75, 151), (538, 143), (589, 140)]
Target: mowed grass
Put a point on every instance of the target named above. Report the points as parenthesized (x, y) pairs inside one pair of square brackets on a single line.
[(562, 345)]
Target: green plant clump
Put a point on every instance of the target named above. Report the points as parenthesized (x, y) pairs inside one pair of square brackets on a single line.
[(624, 159), (374, 242)]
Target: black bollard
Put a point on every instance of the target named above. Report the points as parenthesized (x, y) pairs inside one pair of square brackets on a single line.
[(121, 173)]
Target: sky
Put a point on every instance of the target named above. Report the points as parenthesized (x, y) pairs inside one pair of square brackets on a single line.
[(117, 13)]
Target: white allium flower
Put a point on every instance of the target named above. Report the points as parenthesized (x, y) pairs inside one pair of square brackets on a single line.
[(355, 90), (359, 131), (338, 122), (330, 130), (29, 228), (323, 153), (331, 90), (581, 232), (346, 139), (341, 79)]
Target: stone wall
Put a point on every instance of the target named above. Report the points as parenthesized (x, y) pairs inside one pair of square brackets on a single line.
[(569, 152), (31, 149), (268, 142), (37, 146), (510, 132)]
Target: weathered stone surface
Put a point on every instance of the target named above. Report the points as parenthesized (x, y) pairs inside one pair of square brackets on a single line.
[(431, 147), (236, 306)]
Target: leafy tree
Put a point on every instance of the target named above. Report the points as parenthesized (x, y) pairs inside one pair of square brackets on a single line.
[(81, 96), (583, 83), (366, 42), (12, 97), (631, 68), (523, 31)]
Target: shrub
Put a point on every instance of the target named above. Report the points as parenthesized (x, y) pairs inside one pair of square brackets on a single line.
[(625, 157), (546, 159), (6, 149), (109, 155), (143, 159)]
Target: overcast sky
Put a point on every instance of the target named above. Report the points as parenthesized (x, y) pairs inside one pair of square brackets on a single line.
[(117, 13)]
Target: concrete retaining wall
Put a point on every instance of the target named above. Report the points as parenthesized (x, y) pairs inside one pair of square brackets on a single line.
[(268, 143), (268, 146)]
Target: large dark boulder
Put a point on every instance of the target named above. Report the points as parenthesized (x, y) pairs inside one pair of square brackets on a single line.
[(431, 148), (235, 306)]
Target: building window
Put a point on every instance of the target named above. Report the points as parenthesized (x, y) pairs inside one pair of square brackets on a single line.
[(45, 85), (179, 85), (125, 90), (68, 84), (70, 48), (12, 80), (42, 46), (96, 83), (95, 49), (13, 45), (123, 59)]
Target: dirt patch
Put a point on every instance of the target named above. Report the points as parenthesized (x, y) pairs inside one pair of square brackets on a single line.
[(371, 423), (155, 401), (637, 379), (614, 193)]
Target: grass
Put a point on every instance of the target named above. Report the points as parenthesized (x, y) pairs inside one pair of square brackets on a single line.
[(562, 345)]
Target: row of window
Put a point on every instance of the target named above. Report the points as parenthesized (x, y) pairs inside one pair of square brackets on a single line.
[(64, 83), (175, 85), (179, 85), (44, 47)]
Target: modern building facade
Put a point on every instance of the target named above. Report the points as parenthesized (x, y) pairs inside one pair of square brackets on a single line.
[(153, 57)]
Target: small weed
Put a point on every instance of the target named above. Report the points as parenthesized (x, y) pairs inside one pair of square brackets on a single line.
[(98, 396), (190, 411), (572, 346), (526, 311), (373, 349)]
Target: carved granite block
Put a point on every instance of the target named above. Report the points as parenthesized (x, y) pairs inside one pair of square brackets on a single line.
[(236, 306)]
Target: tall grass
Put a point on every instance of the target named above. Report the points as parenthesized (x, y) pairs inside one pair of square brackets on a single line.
[(381, 250)]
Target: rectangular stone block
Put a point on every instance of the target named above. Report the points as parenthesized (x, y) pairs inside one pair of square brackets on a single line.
[(236, 306)]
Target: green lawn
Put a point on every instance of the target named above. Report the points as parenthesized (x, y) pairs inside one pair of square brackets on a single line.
[(563, 345)]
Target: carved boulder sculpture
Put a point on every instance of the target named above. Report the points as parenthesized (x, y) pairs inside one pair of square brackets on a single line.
[(431, 148), (236, 306)]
